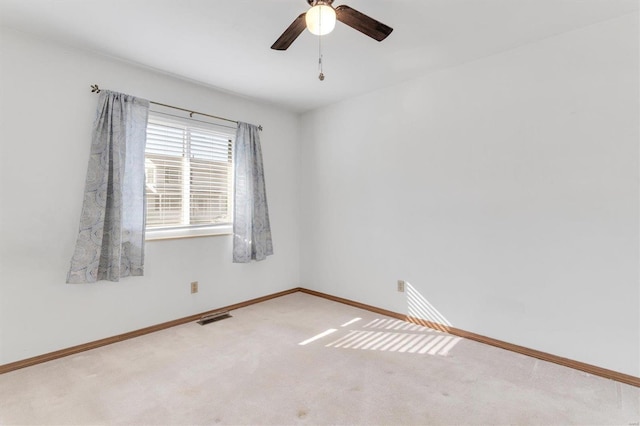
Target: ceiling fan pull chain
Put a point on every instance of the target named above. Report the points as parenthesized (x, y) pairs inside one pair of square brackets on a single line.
[(321, 76)]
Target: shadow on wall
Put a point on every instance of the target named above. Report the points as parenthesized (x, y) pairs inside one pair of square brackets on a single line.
[(388, 335), (422, 312)]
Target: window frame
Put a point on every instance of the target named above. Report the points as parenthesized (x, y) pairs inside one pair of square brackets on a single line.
[(196, 230)]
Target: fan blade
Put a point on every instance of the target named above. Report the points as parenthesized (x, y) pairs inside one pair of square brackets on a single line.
[(290, 34), (361, 22)]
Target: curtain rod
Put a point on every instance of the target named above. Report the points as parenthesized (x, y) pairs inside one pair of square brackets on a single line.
[(96, 89)]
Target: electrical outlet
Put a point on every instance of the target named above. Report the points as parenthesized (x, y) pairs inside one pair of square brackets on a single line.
[(401, 286), (194, 287)]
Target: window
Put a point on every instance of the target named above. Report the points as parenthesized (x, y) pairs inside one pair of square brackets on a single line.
[(188, 165)]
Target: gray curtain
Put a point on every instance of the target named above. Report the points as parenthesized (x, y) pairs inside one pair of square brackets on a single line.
[(251, 228), (110, 242)]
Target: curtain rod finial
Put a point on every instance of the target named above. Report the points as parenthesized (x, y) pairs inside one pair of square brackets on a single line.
[(95, 88), (260, 127)]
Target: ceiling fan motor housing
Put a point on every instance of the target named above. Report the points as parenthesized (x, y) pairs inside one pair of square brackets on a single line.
[(316, 2)]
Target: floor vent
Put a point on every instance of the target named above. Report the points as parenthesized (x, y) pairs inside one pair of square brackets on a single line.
[(215, 316)]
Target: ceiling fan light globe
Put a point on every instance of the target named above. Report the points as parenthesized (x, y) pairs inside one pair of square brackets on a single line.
[(320, 19)]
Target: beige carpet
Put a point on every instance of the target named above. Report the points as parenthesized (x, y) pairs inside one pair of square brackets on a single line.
[(300, 359)]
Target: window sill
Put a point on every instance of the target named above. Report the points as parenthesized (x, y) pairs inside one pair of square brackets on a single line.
[(171, 234)]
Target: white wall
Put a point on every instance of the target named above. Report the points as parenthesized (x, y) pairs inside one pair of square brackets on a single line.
[(47, 111), (505, 191)]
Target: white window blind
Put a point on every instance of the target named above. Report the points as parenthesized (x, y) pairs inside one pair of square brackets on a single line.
[(189, 178)]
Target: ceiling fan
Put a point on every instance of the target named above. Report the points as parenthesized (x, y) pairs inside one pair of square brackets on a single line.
[(320, 19)]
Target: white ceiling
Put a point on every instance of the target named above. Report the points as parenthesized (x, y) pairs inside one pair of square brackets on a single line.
[(226, 43)]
